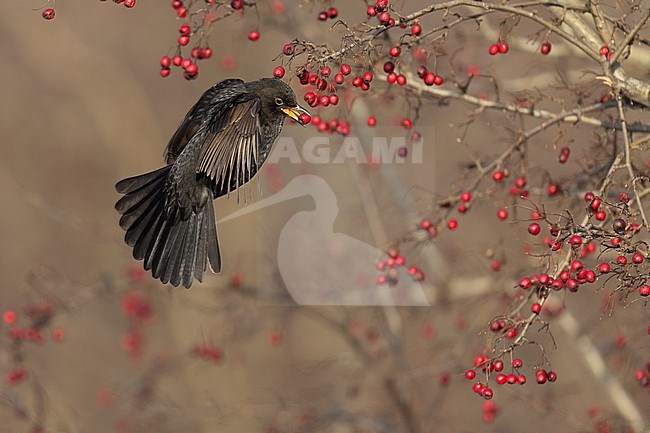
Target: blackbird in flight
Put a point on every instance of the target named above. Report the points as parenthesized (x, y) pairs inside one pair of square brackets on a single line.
[(219, 146)]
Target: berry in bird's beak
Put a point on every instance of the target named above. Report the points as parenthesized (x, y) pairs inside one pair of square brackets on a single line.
[(298, 114)]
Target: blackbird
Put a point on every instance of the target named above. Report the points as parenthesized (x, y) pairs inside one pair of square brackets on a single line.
[(222, 142)]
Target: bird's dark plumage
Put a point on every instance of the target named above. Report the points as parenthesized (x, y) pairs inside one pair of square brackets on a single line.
[(219, 146)]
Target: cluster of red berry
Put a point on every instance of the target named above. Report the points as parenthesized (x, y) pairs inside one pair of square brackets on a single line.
[(189, 66), (127, 3), (50, 13), (606, 52), (643, 375), (500, 47), (208, 352), (331, 126), (389, 269), (497, 366), (39, 316), (330, 13), (138, 310), (380, 10)]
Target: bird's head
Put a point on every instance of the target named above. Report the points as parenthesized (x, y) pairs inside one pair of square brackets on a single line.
[(278, 97)]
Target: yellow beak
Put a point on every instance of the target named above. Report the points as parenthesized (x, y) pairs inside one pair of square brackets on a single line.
[(294, 112)]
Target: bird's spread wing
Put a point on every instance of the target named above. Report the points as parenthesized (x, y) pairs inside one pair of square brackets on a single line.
[(218, 96), (229, 154)]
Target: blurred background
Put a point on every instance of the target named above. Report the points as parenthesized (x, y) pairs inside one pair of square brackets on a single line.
[(83, 106)]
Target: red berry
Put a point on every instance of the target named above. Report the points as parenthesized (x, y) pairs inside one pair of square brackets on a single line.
[(572, 284), (278, 72), (501, 378), (192, 69), (165, 61), (600, 215), (575, 241), (288, 49), (381, 5), (236, 4), (338, 78), (322, 16), (438, 80), (604, 268), (497, 176), (466, 196), (545, 48), (395, 51), (524, 283), (644, 290), (164, 71), (401, 79), (637, 258), (372, 121), (183, 40), (334, 99), (253, 35), (16, 375), (9, 317), (206, 52), (503, 47), (429, 78), (536, 307), (371, 11), (367, 77), (391, 78), (488, 393), (470, 374), (416, 29), (595, 203), (324, 100), (552, 376), (177, 60), (304, 118), (48, 13), (406, 123), (534, 229), (564, 155), (520, 182), (494, 49), (502, 214), (517, 363), (452, 224), (184, 30), (604, 50), (384, 18), (624, 197), (332, 13), (521, 379), (310, 97), (325, 71), (346, 69)]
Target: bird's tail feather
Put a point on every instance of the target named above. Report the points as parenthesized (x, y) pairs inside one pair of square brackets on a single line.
[(175, 250)]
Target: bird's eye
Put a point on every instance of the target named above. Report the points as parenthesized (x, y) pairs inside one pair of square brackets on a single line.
[(279, 101)]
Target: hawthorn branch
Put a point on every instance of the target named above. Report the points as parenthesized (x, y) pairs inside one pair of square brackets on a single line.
[(628, 161), (628, 39), (574, 116)]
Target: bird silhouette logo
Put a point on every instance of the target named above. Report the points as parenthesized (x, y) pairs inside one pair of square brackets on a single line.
[(321, 267)]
